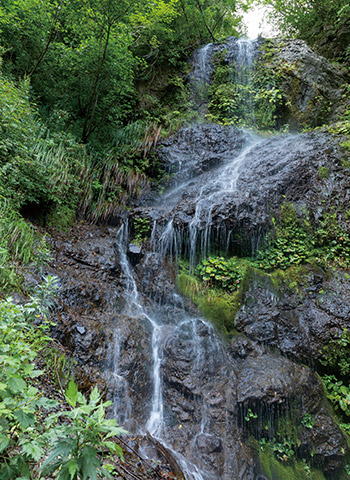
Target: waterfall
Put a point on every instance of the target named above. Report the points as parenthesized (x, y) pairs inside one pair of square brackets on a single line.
[(200, 77), (188, 359)]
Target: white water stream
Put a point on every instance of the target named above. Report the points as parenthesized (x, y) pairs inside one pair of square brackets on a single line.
[(176, 326)]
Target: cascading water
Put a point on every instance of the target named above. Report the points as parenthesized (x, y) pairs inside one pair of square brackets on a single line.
[(182, 344), (200, 77), (182, 384)]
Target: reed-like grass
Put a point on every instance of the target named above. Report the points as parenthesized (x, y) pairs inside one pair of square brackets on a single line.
[(108, 188), (20, 245)]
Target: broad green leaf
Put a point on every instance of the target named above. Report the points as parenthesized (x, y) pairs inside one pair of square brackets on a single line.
[(72, 393), (25, 420), (17, 384), (89, 463), (114, 448), (7, 472), (60, 450), (95, 396), (4, 442), (33, 450), (73, 467)]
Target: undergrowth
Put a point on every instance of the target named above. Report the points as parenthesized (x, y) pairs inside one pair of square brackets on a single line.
[(39, 437)]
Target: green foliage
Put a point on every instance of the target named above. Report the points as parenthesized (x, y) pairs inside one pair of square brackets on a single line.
[(108, 187), (333, 240), (35, 167), (217, 289), (308, 421), (247, 98), (82, 57), (59, 363), (250, 415), (283, 450), (338, 393), (295, 241), (218, 307), (216, 272), (19, 246), (336, 354), (61, 217), (286, 468), (73, 443), (324, 172), (79, 445), (292, 243), (22, 435), (142, 229), (313, 21)]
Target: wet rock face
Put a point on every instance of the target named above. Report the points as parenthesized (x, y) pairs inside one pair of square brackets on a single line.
[(298, 324), (276, 388), (310, 82), (199, 148), (131, 383), (90, 324), (199, 394), (241, 197), (90, 297)]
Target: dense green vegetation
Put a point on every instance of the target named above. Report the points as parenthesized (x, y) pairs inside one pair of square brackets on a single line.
[(321, 23), (247, 98), (219, 286), (78, 118), (85, 59)]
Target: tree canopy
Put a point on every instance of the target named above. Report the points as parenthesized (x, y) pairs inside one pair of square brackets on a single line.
[(82, 56), (321, 23)]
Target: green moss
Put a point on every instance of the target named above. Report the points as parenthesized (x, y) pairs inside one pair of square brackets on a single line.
[(61, 217), (219, 311), (324, 172), (295, 470), (346, 144), (217, 306), (295, 278)]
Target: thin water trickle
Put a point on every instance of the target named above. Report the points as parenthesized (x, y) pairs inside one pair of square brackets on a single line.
[(200, 77)]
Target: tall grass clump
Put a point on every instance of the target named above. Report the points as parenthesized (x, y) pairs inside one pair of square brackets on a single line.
[(17, 245)]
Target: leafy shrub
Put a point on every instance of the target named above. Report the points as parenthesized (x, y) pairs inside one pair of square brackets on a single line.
[(21, 404), (295, 241), (141, 229), (80, 442), (220, 273), (291, 246), (338, 393), (283, 449), (250, 98), (72, 442), (336, 354), (18, 245)]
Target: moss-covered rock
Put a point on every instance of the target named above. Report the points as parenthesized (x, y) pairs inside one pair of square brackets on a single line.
[(216, 305), (291, 470), (311, 85)]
